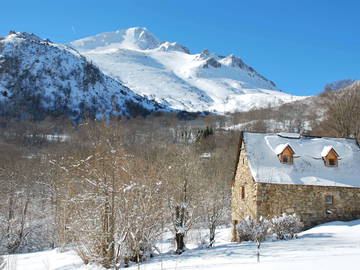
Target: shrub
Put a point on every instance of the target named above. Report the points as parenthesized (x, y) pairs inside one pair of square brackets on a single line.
[(286, 226), (251, 230), (2, 263)]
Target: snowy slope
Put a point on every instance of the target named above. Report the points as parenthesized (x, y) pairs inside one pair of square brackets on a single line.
[(331, 246), (171, 75), (39, 77)]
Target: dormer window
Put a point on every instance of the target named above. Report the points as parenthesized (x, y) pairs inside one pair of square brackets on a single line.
[(285, 159), (285, 153), (330, 156), (332, 162)]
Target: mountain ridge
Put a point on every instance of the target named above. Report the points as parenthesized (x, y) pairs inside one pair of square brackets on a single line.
[(40, 78), (124, 73), (170, 74)]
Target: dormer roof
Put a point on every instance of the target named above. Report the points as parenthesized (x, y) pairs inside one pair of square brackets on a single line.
[(327, 149), (281, 148)]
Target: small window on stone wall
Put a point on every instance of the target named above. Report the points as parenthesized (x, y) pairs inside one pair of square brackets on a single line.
[(329, 200), (242, 192)]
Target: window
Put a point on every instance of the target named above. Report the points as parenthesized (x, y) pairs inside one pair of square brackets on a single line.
[(242, 192), (329, 200), (286, 159), (332, 162)]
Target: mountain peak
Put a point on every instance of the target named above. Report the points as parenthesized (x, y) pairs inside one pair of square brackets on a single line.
[(234, 61), (140, 38), (134, 38)]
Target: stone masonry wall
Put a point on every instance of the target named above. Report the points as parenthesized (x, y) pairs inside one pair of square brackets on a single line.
[(242, 207), (308, 202)]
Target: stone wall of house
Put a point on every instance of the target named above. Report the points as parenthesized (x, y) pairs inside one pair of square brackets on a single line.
[(244, 201), (308, 202)]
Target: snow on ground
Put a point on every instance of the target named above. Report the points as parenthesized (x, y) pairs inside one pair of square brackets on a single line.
[(333, 245)]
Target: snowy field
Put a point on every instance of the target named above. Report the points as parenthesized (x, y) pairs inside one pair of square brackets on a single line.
[(334, 245)]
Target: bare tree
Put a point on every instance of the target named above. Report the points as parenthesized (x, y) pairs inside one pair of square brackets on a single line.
[(342, 112), (110, 201), (181, 189), (217, 171), (215, 197), (18, 175), (95, 177)]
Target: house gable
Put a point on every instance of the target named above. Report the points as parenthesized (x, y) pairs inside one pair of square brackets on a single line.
[(244, 190)]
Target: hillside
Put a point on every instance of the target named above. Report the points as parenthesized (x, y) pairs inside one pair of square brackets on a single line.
[(169, 73), (40, 78)]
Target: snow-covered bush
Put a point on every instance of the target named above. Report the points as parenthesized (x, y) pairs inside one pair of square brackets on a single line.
[(244, 229), (2, 263), (199, 236), (252, 230), (286, 226)]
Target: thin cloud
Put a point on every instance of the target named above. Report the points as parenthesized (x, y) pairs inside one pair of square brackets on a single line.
[(73, 29)]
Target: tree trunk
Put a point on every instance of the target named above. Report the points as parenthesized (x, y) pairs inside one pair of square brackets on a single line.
[(234, 234), (179, 228), (212, 235), (20, 234), (180, 244), (108, 236)]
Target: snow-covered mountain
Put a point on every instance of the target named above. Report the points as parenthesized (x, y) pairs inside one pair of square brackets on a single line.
[(170, 74), (39, 78)]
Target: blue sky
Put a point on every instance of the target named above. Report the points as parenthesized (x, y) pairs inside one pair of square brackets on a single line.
[(299, 44)]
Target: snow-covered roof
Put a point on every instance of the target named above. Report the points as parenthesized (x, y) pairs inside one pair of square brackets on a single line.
[(308, 167)]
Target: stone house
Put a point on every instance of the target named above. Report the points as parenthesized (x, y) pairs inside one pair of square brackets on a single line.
[(317, 178)]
